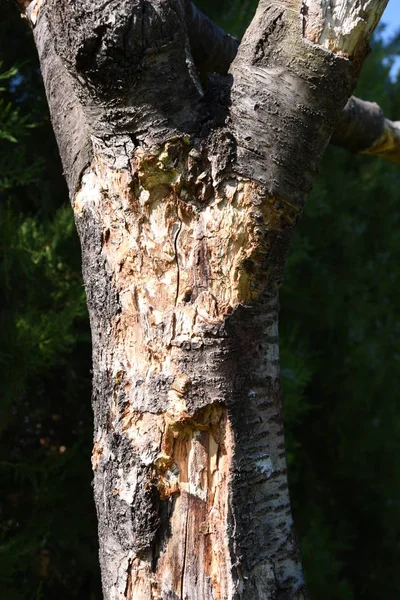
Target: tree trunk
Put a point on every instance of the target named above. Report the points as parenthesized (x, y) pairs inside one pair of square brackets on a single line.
[(185, 201)]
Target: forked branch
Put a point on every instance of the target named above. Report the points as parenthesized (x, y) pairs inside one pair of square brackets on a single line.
[(362, 128)]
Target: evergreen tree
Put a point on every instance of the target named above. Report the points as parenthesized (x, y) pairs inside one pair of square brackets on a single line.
[(339, 323), (48, 542)]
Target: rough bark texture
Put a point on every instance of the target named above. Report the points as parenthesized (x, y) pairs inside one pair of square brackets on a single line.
[(342, 26), (185, 194), (189, 453), (362, 126), (213, 50)]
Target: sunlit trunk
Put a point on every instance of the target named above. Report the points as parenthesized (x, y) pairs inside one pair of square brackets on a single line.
[(185, 201)]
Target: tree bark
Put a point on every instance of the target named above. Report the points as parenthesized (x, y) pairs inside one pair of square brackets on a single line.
[(362, 127), (186, 192)]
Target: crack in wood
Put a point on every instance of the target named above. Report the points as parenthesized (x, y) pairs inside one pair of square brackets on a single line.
[(184, 553), (177, 261)]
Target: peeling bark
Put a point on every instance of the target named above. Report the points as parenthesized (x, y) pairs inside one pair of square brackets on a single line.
[(341, 26), (362, 127), (204, 477), (186, 193)]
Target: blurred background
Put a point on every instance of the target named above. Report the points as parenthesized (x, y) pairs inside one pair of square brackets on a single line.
[(340, 340)]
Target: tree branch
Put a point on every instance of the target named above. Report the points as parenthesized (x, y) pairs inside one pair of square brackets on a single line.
[(212, 48), (362, 127)]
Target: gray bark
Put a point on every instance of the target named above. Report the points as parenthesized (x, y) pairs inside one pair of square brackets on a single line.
[(186, 192), (362, 126)]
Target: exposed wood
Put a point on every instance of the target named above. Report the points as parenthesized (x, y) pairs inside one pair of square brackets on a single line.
[(342, 26), (287, 96), (183, 254), (185, 201), (362, 126)]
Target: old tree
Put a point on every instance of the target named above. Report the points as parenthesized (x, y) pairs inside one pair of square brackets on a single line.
[(188, 160)]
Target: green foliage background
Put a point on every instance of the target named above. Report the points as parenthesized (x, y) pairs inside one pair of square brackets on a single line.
[(340, 329)]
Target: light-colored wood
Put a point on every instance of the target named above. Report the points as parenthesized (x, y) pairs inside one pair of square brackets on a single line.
[(185, 204), (341, 26)]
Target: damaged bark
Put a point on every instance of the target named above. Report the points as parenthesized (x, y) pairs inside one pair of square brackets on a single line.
[(362, 127), (189, 451), (186, 190)]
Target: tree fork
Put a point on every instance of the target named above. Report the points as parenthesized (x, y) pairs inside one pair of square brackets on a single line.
[(185, 201), (362, 126)]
